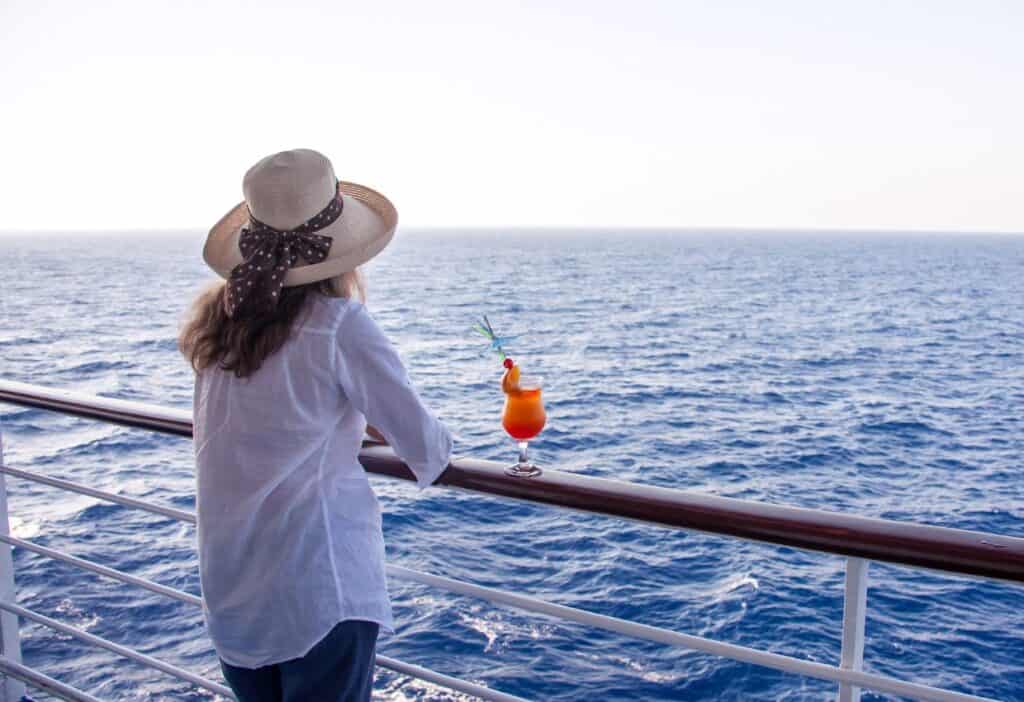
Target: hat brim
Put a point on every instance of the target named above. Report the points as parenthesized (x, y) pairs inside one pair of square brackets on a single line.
[(366, 225)]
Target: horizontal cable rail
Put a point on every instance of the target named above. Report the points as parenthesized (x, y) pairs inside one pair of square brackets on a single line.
[(120, 650), (745, 654), (43, 682), (132, 502), (84, 564), (394, 664), (784, 663), (937, 548), (199, 681), (457, 684)]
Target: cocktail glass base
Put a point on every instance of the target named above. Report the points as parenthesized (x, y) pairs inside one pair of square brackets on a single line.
[(523, 470)]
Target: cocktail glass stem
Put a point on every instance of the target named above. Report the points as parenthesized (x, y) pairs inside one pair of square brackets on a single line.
[(523, 468)]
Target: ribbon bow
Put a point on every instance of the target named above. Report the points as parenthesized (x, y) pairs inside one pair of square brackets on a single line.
[(269, 253)]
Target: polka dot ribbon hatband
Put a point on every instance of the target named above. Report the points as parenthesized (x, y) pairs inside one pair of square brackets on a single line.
[(269, 253)]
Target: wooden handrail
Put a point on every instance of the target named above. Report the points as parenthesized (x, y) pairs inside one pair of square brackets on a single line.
[(925, 546)]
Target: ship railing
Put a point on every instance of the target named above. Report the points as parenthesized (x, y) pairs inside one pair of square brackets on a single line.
[(859, 540)]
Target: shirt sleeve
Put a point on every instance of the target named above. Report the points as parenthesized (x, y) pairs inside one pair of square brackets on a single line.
[(376, 383)]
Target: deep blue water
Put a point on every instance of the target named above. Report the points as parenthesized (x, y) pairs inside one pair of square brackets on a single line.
[(872, 374)]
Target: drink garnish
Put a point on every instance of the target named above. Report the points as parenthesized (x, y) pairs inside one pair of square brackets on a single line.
[(523, 416), (510, 380), (484, 327)]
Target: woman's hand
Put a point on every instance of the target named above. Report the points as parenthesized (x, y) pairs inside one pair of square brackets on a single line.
[(375, 434)]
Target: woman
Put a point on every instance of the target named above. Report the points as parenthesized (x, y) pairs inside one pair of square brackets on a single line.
[(290, 367)]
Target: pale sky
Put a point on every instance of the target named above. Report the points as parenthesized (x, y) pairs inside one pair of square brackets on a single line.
[(859, 114)]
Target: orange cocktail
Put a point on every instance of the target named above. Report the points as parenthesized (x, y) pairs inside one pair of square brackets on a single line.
[(524, 416)]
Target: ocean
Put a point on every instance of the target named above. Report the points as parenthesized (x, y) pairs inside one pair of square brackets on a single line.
[(875, 374)]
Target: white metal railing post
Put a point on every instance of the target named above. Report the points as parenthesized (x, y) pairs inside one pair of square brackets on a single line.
[(11, 689), (854, 605)]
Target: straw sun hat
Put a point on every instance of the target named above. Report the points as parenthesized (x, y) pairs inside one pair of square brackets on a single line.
[(298, 224)]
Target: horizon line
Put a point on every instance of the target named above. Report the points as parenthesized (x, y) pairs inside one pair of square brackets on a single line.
[(568, 228)]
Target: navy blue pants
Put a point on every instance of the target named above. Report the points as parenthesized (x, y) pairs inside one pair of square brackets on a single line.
[(339, 668)]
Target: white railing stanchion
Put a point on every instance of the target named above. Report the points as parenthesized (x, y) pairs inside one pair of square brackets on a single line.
[(854, 606), (11, 689)]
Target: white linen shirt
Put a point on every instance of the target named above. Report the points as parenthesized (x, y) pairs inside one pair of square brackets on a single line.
[(289, 527)]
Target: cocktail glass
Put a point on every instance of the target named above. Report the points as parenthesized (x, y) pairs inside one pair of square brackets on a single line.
[(523, 419)]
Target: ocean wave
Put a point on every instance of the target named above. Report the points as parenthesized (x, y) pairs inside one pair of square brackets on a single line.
[(842, 374), (902, 428)]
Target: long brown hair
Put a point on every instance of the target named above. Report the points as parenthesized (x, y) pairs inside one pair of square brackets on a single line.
[(241, 344)]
